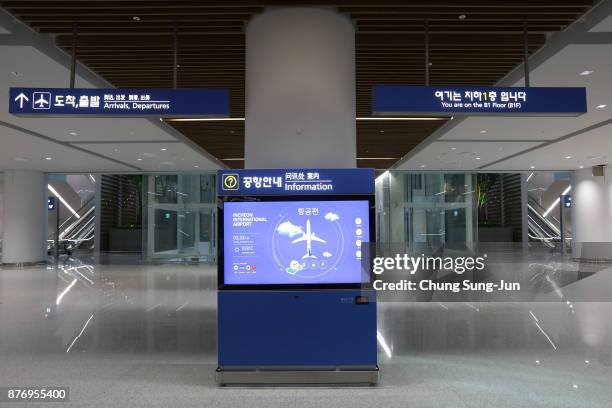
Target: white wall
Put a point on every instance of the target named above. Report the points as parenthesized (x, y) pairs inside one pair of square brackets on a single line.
[(24, 214), (592, 215), (300, 89)]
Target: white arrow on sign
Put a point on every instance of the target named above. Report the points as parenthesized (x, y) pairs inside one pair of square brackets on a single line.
[(21, 98)]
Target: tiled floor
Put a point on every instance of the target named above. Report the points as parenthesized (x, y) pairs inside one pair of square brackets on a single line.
[(134, 335)]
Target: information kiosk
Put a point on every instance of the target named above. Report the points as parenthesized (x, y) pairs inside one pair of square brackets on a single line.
[(295, 303)]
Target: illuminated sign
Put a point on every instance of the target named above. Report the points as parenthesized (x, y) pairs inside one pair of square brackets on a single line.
[(119, 102), (295, 181), (390, 100)]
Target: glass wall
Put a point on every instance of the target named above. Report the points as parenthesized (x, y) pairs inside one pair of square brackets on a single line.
[(180, 217), (426, 212)]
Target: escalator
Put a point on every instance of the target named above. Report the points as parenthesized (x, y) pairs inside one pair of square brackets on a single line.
[(76, 232), (544, 228)]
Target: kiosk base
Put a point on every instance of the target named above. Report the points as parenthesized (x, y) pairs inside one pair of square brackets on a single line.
[(297, 377)]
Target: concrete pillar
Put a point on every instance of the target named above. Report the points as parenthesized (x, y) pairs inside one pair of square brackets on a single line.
[(25, 217), (591, 216), (300, 89)]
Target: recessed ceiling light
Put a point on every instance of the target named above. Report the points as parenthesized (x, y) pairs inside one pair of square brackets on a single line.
[(462, 17), (73, 133), (16, 73), (136, 18), (586, 72), (483, 131), (582, 167), (163, 149), (453, 148), (115, 150), (139, 159), (601, 106), (477, 158), (48, 158), (568, 157), (422, 165), (196, 166), (21, 159), (532, 167)]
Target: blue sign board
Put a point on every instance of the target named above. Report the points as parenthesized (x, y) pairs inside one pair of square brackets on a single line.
[(119, 102), (295, 182), (567, 201), (51, 203), (389, 100)]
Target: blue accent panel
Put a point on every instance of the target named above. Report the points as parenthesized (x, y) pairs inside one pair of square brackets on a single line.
[(478, 100), (296, 328), (249, 182), (119, 102)]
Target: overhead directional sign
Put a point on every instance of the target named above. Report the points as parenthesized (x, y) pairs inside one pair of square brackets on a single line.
[(119, 102), (294, 181), (390, 100)]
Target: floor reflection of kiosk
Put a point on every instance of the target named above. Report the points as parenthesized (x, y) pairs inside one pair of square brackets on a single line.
[(294, 301)]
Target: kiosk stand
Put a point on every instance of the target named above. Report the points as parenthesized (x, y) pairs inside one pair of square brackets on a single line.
[(295, 304)]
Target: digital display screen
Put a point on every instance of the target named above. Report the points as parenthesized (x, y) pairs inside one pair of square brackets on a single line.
[(295, 242)]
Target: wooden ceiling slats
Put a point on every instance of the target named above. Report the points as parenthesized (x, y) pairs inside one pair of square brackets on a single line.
[(477, 50)]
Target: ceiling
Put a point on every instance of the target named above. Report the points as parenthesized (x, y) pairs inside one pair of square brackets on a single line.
[(579, 57), (131, 44), (78, 144)]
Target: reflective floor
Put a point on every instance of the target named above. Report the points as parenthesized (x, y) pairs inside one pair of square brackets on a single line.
[(144, 335)]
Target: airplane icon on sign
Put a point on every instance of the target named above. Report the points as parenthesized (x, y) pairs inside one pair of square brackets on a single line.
[(42, 100)]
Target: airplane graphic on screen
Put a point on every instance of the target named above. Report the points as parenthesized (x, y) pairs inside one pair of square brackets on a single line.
[(308, 236)]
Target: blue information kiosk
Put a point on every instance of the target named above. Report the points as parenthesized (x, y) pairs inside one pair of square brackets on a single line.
[(295, 305)]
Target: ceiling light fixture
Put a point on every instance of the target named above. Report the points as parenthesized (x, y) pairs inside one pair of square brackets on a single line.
[(234, 159), (48, 158), (73, 133), (477, 158), (482, 132), (21, 159), (377, 158), (163, 149), (586, 72), (568, 157), (601, 106), (205, 120), (136, 18), (453, 148), (532, 167), (139, 159), (392, 118), (55, 193), (422, 166), (16, 73), (196, 166), (399, 118), (581, 166), (462, 17)]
